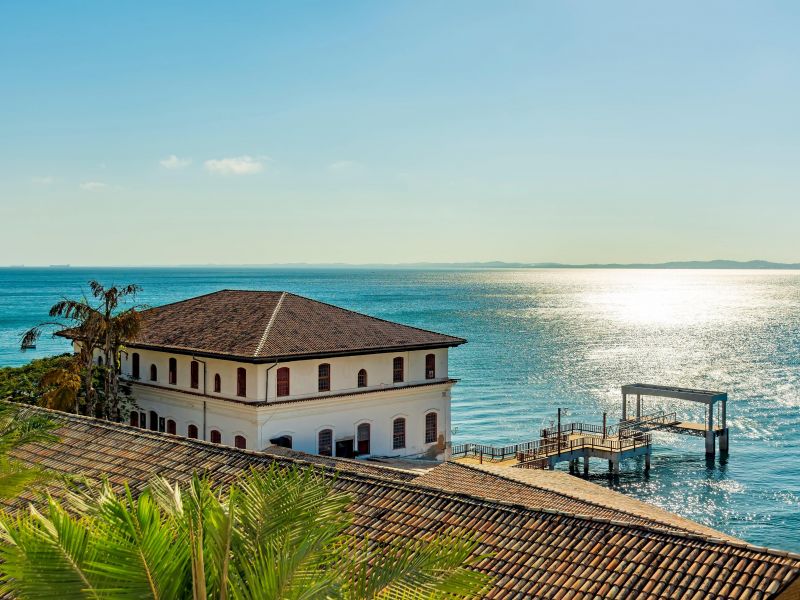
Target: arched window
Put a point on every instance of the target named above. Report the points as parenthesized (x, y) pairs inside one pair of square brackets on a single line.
[(430, 366), (399, 433), (143, 420), (325, 442), (194, 375), (192, 432), (216, 436), (153, 373), (397, 369), (431, 428), (173, 371), (362, 378), (324, 378), (134, 419), (153, 420), (135, 365), (283, 381), (217, 383), (171, 426), (241, 382), (240, 442), (362, 438)]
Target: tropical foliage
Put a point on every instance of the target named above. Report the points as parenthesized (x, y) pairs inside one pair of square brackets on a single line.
[(276, 533), (99, 323), (15, 431), (25, 384)]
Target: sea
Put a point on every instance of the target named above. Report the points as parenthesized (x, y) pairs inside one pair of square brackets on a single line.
[(543, 339)]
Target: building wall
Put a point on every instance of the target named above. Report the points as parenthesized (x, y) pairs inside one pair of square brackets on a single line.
[(302, 373), (302, 420)]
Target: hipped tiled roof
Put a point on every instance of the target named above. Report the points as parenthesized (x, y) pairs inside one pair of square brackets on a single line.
[(533, 552), (266, 326)]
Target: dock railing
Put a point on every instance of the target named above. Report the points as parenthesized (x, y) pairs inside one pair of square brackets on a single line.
[(646, 422), (498, 453), (548, 449)]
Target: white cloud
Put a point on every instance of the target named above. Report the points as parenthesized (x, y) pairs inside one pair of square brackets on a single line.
[(93, 186), (173, 162), (238, 165), (46, 180)]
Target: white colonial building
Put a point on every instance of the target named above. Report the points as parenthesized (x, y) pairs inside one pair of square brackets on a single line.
[(254, 369)]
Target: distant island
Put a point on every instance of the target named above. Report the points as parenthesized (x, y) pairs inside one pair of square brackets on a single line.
[(690, 264)]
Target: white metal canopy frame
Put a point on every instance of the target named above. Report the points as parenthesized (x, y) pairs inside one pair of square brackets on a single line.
[(706, 397)]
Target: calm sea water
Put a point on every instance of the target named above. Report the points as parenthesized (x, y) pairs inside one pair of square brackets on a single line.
[(540, 339)]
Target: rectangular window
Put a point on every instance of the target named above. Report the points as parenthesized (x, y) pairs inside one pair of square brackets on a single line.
[(173, 371), (399, 434), (135, 365), (195, 375), (283, 381), (324, 378), (431, 432), (325, 443), (430, 366), (397, 371), (241, 382)]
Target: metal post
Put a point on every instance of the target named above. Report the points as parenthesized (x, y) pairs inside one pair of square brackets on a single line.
[(604, 424), (710, 441), (558, 433), (624, 406), (647, 462), (638, 406), (586, 466)]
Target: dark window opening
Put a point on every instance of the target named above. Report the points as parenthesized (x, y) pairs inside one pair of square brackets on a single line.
[(143, 420), (241, 382), (397, 370), (216, 436), (430, 366), (284, 441), (171, 426), (324, 378), (362, 378), (173, 371), (362, 435), (283, 381), (153, 420), (240, 442), (194, 375), (192, 432), (325, 442), (153, 373), (134, 419), (217, 383), (135, 365), (399, 434), (431, 432)]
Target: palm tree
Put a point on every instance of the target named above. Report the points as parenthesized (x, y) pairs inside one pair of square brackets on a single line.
[(98, 325), (275, 534), (17, 429)]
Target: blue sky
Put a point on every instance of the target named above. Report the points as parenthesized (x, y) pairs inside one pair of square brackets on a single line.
[(230, 133)]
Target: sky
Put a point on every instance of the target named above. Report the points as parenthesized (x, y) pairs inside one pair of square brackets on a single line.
[(154, 133)]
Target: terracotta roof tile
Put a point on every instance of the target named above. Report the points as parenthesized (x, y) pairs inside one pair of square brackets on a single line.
[(531, 552), (264, 326)]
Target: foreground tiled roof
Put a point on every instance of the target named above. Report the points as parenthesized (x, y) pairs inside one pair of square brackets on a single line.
[(532, 552), (546, 489), (265, 326)]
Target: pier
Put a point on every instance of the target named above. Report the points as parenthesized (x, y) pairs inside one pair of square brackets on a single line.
[(575, 442)]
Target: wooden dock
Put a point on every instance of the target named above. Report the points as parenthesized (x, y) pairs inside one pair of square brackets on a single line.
[(631, 437)]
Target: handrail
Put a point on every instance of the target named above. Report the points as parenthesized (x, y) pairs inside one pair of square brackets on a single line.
[(585, 443)]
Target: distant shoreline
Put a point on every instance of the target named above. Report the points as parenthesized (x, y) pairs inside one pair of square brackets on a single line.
[(699, 264)]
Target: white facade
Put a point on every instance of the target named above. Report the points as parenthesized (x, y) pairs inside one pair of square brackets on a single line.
[(262, 414)]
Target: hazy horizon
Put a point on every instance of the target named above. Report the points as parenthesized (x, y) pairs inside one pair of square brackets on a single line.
[(370, 132)]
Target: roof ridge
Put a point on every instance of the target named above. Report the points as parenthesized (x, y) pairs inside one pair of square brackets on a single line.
[(577, 498), (264, 336), (410, 486)]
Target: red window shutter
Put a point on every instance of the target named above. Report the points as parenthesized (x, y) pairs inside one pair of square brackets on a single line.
[(283, 381)]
